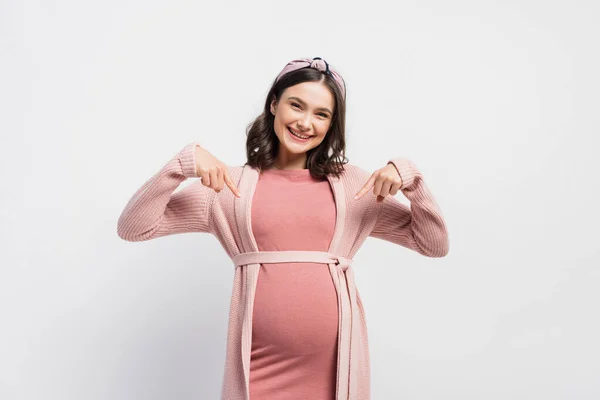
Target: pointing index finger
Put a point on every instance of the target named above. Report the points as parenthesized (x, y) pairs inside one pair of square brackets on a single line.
[(365, 188), (231, 185)]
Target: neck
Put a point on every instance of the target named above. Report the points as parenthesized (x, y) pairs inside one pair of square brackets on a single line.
[(290, 162)]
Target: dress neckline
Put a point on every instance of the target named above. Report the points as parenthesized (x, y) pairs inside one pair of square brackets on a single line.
[(290, 174)]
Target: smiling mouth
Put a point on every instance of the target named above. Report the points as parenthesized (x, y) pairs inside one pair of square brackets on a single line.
[(299, 136)]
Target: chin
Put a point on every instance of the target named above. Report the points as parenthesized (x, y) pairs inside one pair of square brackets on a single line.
[(299, 147)]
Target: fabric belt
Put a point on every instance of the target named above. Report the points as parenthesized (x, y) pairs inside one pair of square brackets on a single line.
[(290, 256), (348, 313)]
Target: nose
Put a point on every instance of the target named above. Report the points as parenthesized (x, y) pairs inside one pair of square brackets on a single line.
[(304, 122)]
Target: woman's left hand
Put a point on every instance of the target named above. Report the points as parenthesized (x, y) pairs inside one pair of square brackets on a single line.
[(384, 181)]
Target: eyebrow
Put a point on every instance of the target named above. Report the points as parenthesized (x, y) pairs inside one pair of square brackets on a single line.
[(303, 103)]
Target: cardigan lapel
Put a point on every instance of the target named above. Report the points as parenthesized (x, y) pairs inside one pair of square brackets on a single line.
[(340, 209), (348, 331), (242, 211), (243, 208)]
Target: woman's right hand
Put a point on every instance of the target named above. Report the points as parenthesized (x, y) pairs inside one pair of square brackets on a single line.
[(212, 172)]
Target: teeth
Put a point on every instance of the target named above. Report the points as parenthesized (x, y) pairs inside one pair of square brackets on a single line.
[(300, 136)]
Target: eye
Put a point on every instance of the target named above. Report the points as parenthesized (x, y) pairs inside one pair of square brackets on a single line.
[(323, 115), (295, 105)]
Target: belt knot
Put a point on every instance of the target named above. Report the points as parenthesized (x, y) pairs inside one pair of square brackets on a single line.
[(343, 262)]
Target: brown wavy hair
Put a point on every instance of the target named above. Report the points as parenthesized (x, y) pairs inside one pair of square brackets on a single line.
[(262, 144)]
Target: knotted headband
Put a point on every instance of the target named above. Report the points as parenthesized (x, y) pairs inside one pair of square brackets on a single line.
[(317, 63)]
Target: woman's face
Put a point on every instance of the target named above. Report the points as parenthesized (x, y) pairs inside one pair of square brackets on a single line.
[(305, 109)]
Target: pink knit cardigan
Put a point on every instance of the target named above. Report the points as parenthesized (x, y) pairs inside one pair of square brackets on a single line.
[(156, 210)]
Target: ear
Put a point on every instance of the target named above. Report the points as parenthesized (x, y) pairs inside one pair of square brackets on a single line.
[(273, 107)]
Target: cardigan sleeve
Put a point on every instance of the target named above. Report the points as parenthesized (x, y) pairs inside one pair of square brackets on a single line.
[(156, 210), (421, 226)]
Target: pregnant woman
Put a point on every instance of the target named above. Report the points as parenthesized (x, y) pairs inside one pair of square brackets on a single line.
[(291, 219)]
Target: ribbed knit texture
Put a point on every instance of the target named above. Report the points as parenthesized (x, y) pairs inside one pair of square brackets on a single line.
[(156, 210)]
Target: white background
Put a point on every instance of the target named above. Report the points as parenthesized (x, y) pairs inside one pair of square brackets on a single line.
[(495, 102)]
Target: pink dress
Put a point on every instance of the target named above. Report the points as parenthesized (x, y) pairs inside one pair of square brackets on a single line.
[(295, 318)]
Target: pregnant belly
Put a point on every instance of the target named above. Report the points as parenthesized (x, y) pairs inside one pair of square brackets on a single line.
[(295, 312)]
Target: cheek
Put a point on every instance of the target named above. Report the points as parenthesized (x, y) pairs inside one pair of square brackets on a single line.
[(279, 126), (321, 138), (323, 129)]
